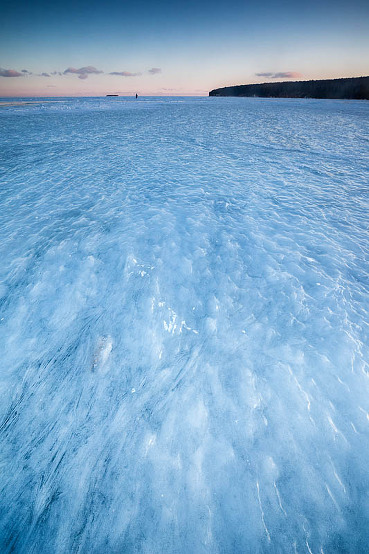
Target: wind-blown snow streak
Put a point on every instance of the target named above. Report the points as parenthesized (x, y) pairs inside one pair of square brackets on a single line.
[(184, 326)]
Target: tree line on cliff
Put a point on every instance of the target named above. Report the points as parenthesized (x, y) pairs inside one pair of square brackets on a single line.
[(353, 88)]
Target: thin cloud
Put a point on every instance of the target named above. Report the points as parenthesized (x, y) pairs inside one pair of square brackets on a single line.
[(124, 73), (287, 75), (154, 70), (83, 72), (43, 75), (280, 75), (56, 73), (10, 73)]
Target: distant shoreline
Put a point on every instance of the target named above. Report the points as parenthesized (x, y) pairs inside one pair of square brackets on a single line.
[(12, 103), (352, 88)]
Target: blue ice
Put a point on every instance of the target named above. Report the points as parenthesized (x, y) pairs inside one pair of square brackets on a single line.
[(184, 326)]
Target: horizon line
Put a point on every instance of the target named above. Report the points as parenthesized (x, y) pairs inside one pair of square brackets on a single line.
[(111, 95)]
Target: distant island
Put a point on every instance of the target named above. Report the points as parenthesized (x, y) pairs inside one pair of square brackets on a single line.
[(352, 88)]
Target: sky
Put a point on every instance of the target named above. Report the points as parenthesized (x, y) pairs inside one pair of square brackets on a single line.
[(93, 48)]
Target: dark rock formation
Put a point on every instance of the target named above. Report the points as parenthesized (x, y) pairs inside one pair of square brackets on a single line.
[(353, 88)]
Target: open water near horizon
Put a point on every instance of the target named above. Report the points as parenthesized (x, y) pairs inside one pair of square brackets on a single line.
[(184, 326)]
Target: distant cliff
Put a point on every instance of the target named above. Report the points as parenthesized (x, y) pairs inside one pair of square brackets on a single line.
[(353, 88)]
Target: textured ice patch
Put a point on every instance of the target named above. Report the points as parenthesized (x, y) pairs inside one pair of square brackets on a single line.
[(101, 354)]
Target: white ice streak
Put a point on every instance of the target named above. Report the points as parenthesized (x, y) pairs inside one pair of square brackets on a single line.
[(102, 352), (262, 512)]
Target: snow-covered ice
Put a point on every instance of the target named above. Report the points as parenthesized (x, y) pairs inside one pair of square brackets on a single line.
[(184, 326)]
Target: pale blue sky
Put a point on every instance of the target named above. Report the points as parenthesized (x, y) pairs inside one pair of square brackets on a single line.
[(196, 45)]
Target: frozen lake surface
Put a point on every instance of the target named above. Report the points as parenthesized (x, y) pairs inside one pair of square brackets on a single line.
[(184, 326)]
